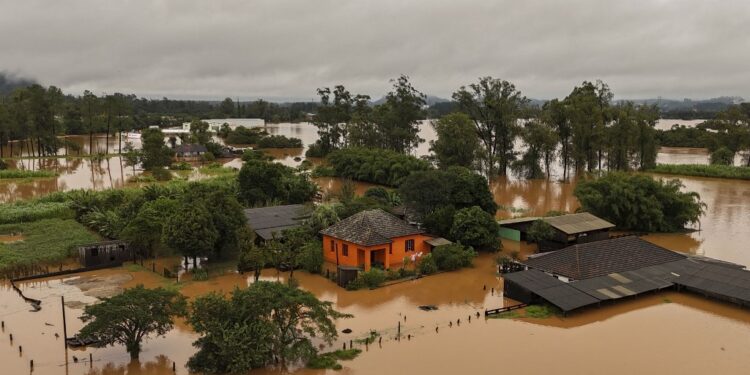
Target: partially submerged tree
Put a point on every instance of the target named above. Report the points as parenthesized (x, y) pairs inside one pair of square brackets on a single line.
[(540, 230), (476, 228), (132, 316), (264, 324), (457, 142)]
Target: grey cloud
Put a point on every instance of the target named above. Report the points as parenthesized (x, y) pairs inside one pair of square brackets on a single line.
[(279, 48)]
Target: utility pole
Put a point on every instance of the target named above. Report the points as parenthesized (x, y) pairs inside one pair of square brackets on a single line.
[(65, 326)]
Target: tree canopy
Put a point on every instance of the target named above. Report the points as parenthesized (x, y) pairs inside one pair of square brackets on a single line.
[(132, 316), (640, 202)]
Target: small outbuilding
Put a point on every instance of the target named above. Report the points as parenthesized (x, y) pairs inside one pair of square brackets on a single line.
[(104, 254), (569, 229), (190, 150)]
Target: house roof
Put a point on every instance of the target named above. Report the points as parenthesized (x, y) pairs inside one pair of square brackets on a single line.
[(266, 221), (600, 258), (517, 220), (438, 241), (556, 292), (371, 227), (577, 223)]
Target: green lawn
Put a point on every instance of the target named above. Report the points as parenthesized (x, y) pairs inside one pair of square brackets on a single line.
[(23, 211), (45, 241)]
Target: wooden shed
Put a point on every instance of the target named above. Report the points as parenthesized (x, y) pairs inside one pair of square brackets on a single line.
[(569, 229), (104, 254)]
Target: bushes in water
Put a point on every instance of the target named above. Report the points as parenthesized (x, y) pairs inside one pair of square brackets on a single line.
[(427, 265), (640, 202), (330, 360), (21, 173), (261, 181), (161, 174), (181, 166), (244, 136), (453, 256), (315, 150), (279, 141), (476, 228), (717, 171), (378, 166), (323, 171), (368, 279)]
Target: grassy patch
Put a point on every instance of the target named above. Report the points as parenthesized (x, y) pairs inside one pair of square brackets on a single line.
[(216, 169), (46, 241), (533, 311), (718, 171), (370, 338), (19, 173), (330, 360)]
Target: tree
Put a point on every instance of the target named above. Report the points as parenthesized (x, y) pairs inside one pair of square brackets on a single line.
[(495, 106), (335, 112), (640, 202), (541, 143), (322, 217), (476, 228), (588, 111), (226, 107), (252, 258), (144, 231), (132, 316), (264, 324), (191, 231), (154, 154), (90, 108), (540, 230), (399, 116), (132, 156), (261, 182), (554, 113), (457, 141), (722, 156), (199, 132)]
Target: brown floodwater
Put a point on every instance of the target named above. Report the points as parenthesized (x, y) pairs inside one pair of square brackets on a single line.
[(660, 333)]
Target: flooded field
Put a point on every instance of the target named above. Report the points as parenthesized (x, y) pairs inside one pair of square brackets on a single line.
[(634, 332)]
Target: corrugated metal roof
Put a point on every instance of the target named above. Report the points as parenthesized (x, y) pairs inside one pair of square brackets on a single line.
[(578, 223), (266, 220), (518, 220), (439, 241), (554, 291)]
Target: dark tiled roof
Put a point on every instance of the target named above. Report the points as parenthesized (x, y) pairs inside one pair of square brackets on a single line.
[(601, 258), (266, 221), (369, 228)]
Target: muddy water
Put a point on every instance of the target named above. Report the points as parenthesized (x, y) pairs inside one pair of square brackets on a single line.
[(700, 335)]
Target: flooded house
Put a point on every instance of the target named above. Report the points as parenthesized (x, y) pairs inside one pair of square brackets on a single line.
[(609, 270), (189, 151), (270, 222), (373, 238), (569, 229)]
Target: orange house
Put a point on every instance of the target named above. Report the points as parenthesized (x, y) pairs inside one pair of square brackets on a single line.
[(373, 238)]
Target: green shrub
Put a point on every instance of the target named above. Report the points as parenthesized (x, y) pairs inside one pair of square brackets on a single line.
[(453, 256), (540, 230), (3, 164), (398, 274), (181, 166), (312, 257), (315, 150), (368, 279), (244, 136), (427, 265), (330, 360), (161, 174), (476, 228), (323, 171), (200, 274)]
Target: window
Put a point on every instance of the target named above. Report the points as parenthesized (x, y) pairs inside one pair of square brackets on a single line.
[(345, 250), (409, 245), (333, 246), (95, 252)]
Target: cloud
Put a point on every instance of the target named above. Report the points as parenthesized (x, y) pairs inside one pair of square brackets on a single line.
[(286, 49)]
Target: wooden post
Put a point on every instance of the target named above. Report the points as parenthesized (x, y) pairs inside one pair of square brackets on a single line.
[(399, 328), (65, 323), (91, 360), (31, 364), (174, 366)]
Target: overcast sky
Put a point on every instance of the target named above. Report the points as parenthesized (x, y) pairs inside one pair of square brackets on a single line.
[(287, 49)]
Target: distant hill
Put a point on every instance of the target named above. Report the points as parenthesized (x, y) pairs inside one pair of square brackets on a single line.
[(9, 82)]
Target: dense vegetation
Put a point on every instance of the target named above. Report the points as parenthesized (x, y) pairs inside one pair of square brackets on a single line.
[(382, 167), (262, 182), (279, 141), (22, 173), (640, 202)]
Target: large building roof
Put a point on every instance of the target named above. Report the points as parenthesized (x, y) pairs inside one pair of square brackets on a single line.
[(370, 228), (600, 258), (554, 291), (268, 222)]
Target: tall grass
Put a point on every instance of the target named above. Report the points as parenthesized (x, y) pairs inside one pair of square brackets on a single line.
[(25, 211), (20, 173), (719, 171)]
